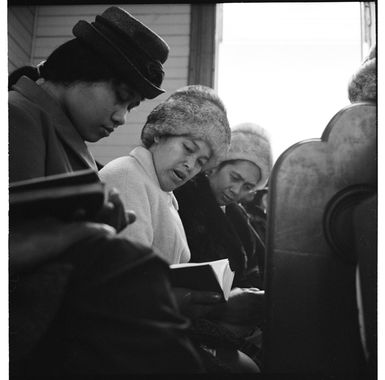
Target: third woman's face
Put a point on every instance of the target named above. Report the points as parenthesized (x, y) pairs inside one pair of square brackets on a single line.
[(177, 159), (96, 109), (234, 181)]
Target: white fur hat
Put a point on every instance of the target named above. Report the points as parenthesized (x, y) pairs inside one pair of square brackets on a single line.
[(363, 84), (251, 142), (195, 111)]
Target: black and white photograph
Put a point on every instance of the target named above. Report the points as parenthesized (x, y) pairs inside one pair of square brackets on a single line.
[(192, 190)]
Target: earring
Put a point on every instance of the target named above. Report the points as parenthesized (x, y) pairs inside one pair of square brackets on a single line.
[(207, 173)]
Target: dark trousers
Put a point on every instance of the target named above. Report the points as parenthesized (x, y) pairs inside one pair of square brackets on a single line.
[(104, 308)]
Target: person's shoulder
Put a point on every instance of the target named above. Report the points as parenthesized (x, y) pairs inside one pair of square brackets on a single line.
[(21, 103), (236, 211), (120, 166), (189, 189), (126, 174), (23, 112), (186, 195)]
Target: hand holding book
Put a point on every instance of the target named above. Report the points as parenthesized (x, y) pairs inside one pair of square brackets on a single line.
[(199, 287), (215, 276), (205, 288), (196, 303), (113, 212), (245, 307), (49, 214)]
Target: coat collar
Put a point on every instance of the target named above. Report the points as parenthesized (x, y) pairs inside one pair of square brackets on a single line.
[(198, 203), (144, 157), (62, 124)]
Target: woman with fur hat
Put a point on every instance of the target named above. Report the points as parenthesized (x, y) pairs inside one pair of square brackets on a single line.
[(362, 86), (182, 136), (185, 134), (216, 227)]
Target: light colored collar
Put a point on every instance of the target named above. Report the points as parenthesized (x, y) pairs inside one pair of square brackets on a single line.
[(145, 159)]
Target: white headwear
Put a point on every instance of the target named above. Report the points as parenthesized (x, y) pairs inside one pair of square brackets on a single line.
[(196, 111), (251, 142)]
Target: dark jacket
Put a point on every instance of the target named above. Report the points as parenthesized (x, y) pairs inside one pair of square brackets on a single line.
[(214, 235), (42, 139)]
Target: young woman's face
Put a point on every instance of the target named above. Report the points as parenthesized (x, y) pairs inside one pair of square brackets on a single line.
[(177, 159), (96, 109), (234, 181)]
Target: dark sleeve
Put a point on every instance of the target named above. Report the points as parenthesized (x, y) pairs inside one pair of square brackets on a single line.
[(253, 245), (118, 316), (26, 145)]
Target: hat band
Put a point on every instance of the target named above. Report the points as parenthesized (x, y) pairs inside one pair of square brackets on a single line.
[(149, 67)]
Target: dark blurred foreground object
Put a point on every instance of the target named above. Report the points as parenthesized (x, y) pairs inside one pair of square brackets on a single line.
[(78, 195), (321, 231), (103, 307)]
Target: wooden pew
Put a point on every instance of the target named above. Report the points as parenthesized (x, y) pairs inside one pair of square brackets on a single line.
[(311, 302)]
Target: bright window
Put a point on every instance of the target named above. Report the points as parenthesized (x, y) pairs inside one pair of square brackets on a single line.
[(286, 66)]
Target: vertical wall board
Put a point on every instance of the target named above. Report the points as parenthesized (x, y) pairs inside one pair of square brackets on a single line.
[(20, 35)]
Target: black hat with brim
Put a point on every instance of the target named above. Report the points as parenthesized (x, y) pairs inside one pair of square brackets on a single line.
[(134, 51)]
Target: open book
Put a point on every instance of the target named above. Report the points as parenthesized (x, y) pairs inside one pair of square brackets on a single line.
[(214, 276), (78, 195)]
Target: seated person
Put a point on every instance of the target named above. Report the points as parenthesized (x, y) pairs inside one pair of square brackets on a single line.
[(216, 227), (81, 93), (82, 300), (182, 135)]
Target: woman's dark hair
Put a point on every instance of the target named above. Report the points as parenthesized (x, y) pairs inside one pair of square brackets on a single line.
[(70, 62)]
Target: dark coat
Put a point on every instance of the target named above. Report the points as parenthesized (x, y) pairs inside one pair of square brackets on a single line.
[(214, 235), (42, 140), (116, 316)]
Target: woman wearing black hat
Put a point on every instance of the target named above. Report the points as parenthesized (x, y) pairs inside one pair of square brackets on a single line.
[(92, 303), (82, 92)]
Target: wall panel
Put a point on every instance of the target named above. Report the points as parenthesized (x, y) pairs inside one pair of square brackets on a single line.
[(20, 35)]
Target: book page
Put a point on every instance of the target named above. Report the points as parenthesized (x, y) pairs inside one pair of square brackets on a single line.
[(220, 268)]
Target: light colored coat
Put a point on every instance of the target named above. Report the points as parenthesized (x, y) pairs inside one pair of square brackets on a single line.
[(157, 224), (42, 139)]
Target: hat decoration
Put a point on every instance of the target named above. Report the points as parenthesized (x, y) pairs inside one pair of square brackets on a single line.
[(134, 50)]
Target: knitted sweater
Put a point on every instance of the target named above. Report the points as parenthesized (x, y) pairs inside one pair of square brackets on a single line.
[(157, 224)]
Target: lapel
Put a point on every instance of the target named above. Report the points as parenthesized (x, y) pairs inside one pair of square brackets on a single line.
[(62, 124)]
